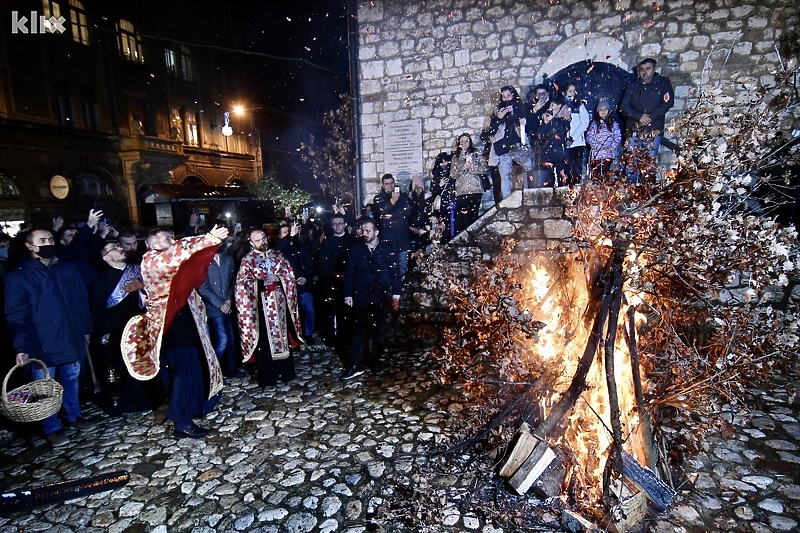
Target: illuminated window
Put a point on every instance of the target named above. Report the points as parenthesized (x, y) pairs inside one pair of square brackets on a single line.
[(169, 60), (50, 9), (130, 44), (175, 124), (191, 128), (78, 22), (186, 63)]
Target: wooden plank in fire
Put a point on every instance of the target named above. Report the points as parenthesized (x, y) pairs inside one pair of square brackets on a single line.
[(540, 458), (645, 479), (522, 450)]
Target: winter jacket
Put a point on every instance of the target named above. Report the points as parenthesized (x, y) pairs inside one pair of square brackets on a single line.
[(578, 124), (393, 230), (468, 180), (218, 286), (604, 143), (47, 310), (549, 141), (332, 258), (510, 122), (372, 276), (299, 256), (654, 98)]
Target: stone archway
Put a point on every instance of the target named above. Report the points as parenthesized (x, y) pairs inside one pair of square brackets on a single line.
[(594, 48), (593, 63)]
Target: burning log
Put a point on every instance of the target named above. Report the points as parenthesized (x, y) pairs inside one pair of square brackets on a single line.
[(608, 348), (647, 427), (18, 500), (659, 492)]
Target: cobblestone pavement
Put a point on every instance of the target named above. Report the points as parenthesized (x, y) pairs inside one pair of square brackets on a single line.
[(321, 455)]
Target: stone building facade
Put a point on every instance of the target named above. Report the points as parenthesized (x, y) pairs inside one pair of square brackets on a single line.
[(443, 61)]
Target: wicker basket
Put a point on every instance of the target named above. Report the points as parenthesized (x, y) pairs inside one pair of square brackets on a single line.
[(32, 402)]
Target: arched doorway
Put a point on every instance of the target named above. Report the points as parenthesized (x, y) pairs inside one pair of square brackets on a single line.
[(594, 63), (595, 81)]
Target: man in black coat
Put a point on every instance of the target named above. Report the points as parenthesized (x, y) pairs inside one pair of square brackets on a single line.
[(371, 288), (47, 310), (644, 104), (393, 209), (331, 263)]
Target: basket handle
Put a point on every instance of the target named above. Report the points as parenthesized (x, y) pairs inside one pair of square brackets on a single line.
[(31, 360)]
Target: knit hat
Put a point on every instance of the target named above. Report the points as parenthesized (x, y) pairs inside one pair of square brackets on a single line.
[(603, 103)]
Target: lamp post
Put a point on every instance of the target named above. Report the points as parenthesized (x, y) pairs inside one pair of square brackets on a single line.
[(255, 134), (227, 131)]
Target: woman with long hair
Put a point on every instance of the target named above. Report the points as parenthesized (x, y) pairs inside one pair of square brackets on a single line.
[(465, 170)]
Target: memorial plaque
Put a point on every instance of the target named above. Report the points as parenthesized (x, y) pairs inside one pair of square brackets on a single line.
[(402, 147)]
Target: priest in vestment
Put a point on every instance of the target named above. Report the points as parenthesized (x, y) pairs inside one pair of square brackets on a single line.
[(171, 338), (269, 321)]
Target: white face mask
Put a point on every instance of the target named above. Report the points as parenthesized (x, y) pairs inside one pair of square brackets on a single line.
[(570, 97)]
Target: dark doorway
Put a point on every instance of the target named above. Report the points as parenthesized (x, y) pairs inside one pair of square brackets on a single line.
[(595, 81)]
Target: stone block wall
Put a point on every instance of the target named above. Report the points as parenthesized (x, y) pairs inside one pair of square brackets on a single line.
[(443, 61), (535, 218), (538, 221)]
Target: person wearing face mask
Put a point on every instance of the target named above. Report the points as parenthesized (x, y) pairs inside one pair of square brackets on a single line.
[(576, 144), (48, 316), (506, 127)]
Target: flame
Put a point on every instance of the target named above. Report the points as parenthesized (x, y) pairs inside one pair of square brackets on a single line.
[(560, 296)]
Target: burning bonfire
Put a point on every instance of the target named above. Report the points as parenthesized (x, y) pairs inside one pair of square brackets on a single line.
[(670, 301)]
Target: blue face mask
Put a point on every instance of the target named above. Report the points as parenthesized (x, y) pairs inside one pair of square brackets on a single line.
[(3, 253)]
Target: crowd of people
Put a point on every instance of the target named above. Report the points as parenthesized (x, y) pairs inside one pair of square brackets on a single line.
[(133, 321), (556, 141)]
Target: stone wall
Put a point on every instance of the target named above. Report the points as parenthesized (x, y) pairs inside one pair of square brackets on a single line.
[(535, 218), (443, 61)]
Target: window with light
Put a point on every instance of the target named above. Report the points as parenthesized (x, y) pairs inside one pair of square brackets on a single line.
[(130, 44), (78, 22)]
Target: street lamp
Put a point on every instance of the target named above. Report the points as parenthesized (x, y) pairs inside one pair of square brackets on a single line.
[(255, 135), (227, 131)]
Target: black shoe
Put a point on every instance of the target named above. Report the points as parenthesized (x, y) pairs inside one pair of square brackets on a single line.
[(234, 373), (376, 369), (192, 431), (81, 424), (57, 438), (353, 371)]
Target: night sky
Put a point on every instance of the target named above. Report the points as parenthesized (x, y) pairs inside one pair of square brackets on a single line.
[(311, 70), (311, 30)]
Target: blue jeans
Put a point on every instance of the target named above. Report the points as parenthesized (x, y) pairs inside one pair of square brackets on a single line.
[(306, 301), (633, 143), (221, 329), (505, 163), (67, 376), (402, 262)]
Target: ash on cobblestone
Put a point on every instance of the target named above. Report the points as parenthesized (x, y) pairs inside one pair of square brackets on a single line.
[(320, 455)]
